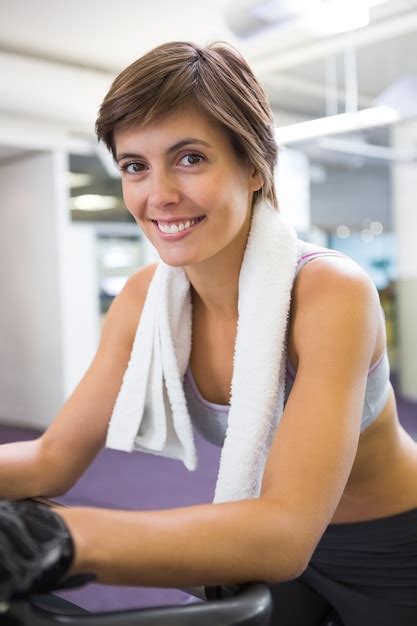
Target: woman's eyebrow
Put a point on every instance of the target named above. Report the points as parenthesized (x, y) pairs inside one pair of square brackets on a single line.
[(173, 148)]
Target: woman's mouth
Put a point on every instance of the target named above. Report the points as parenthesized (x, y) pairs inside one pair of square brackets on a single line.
[(177, 230)]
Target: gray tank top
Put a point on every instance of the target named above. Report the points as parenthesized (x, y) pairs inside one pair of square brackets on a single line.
[(210, 419)]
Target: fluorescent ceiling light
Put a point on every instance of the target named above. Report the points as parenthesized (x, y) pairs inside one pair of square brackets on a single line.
[(93, 202), (346, 146), (337, 16), (319, 16), (117, 257), (76, 180), (401, 95), (334, 124)]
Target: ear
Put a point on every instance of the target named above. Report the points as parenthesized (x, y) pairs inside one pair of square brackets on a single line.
[(256, 180)]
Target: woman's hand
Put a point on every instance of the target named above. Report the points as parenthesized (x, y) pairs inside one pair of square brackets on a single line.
[(37, 551)]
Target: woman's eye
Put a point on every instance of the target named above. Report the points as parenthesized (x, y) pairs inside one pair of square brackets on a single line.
[(191, 159), (132, 168)]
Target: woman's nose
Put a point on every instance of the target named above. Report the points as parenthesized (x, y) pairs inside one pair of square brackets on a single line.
[(163, 190)]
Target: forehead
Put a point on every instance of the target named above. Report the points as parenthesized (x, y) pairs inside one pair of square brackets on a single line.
[(166, 130)]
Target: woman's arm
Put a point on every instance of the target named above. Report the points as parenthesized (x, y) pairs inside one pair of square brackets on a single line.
[(20, 469), (271, 538), (208, 544), (51, 464), (311, 458)]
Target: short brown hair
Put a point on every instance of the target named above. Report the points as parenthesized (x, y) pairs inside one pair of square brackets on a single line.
[(216, 79)]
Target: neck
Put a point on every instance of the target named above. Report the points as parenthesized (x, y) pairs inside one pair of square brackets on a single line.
[(217, 297)]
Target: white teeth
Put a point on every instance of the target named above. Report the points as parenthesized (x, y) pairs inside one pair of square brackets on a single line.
[(171, 229)]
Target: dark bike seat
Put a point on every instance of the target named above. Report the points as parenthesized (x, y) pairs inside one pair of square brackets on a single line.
[(248, 604)]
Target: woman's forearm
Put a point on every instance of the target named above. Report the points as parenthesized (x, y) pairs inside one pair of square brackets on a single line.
[(20, 469), (208, 544)]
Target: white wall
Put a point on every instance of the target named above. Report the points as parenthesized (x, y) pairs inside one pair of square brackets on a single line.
[(43, 346), (79, 302)]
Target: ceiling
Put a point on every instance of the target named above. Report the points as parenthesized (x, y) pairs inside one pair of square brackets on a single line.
[(104, 36)]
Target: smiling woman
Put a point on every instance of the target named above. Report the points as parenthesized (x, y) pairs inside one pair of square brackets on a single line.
[(236, 332)]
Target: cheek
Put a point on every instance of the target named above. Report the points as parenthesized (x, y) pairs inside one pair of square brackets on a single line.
[(217, 192), (131, 199)]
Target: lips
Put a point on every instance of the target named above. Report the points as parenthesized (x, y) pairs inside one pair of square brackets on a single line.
[(163, 228)]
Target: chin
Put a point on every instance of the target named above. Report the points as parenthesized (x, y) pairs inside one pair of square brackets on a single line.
[(179, 260)]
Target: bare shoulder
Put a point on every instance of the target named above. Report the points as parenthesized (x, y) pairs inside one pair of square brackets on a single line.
[(326, 274), (328, 269), (331, 286)]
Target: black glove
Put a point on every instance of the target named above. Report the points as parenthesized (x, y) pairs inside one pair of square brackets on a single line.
[(36, 551)]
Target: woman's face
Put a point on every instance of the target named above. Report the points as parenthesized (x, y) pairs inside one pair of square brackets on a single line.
[(185, 186)]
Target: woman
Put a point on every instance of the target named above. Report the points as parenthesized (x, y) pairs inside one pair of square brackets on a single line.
[(334, 525)]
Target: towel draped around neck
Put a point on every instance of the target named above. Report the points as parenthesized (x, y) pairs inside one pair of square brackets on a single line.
[(151, 414)]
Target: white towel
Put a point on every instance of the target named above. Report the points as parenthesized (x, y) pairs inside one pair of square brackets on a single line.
[(150, 413)]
